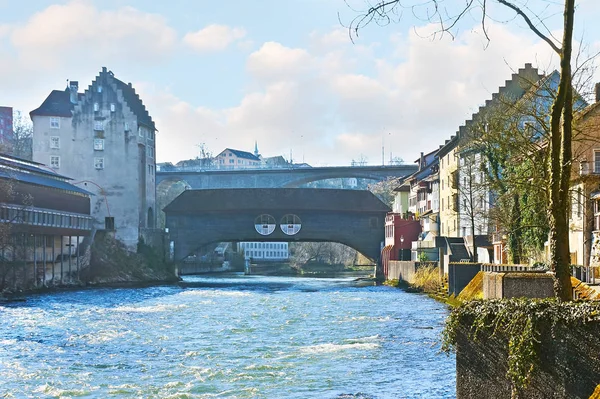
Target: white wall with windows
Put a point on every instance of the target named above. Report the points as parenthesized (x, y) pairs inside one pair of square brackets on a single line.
[(264, 250)]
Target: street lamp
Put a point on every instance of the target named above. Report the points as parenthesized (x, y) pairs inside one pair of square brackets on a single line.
[(402, 247)]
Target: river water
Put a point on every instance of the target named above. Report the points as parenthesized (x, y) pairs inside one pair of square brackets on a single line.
[(227, 337)]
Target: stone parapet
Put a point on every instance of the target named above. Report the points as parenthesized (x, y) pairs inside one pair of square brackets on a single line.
[(517, 285)]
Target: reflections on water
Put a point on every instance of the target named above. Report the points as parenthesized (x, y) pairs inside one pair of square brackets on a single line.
[(227, 337)]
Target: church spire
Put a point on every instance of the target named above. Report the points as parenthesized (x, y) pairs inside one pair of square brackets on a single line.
[(255, 148)]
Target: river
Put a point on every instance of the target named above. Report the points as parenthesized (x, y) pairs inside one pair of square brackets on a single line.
[(227, 337)]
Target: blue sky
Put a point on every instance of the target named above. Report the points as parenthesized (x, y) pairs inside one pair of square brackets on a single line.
[(282, 73)]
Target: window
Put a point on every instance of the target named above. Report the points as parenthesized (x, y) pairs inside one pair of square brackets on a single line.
[(231, 161), (54, 123), (98, 144), (140, 132), (597, 161), (112, 107), (99, 163), (55, 161), (98, 125), (99, 89), (126, 126), (96, 107), (55, 142), (290, 224)]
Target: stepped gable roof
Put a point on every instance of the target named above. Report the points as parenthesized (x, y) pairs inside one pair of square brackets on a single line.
[(134, 102), (447, 147), (514, 88), (57, 103), (242, 154), (274, 199)]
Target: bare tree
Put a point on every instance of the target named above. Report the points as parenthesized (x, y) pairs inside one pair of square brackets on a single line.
[(322, 252), (473, 196), (384, 190), (561, 117), (22, 136)]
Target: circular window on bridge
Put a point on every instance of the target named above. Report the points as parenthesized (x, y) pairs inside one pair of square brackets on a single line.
[(264, 224), (290, 224)]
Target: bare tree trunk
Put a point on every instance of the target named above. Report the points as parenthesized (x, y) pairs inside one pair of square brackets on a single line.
[(515, 235), (560, 164)]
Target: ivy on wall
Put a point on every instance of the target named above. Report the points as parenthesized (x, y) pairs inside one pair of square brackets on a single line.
[(521, 321)]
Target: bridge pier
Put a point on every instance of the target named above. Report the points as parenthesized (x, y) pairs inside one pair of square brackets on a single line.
[(379, 274)]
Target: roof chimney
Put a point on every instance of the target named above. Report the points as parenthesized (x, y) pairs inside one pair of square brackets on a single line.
[(422, 162), (597, 92), (73, 87)]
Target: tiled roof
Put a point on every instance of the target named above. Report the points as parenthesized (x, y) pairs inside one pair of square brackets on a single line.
[(242, 154), (287, 199), (58, 103)]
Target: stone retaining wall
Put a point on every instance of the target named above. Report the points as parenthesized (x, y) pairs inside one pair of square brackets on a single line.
[(569, 367)]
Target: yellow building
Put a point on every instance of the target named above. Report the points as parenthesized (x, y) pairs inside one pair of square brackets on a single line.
[(448, 164)]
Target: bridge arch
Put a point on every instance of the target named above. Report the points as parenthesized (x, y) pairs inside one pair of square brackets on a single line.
[(281, 177), (351, 217)]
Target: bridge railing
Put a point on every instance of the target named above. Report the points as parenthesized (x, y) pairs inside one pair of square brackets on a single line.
[(202, 168)]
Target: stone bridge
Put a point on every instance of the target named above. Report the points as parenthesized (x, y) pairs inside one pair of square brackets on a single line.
[(355, 218), (276, 178)]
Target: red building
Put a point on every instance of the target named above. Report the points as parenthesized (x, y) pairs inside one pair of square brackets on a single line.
[(399, 234), (6, 128)]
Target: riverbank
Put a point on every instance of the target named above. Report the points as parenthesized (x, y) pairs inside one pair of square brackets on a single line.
[(111, 265)]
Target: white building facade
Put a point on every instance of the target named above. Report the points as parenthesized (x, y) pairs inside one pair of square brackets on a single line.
[(103, 138)]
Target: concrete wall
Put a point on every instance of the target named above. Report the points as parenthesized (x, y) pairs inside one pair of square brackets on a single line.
[(517, 285), (569, 367), (460, 274), (402, 271), (405, 270)]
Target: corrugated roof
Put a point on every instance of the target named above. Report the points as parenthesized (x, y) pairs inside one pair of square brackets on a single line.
[(40, 180), (31, 166), (335, 200)]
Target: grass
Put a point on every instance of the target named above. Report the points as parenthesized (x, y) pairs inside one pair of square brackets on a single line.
[(427, 279)]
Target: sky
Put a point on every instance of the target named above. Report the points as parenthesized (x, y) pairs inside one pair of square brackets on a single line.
[(280, 73)]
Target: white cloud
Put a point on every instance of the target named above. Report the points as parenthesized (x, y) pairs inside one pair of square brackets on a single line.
[(322, 104), (273, 61), (213, 38), (63, 35)]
